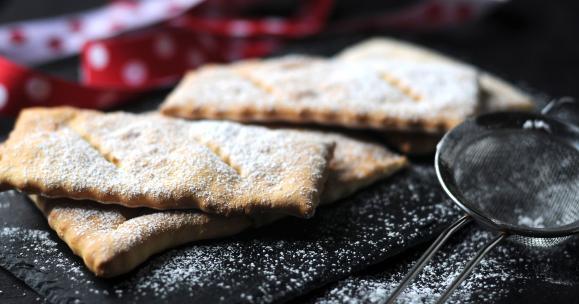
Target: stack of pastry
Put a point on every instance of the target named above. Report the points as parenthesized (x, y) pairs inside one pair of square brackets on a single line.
[(120, 187)]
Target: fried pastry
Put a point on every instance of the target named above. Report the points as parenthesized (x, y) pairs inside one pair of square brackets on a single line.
[(496, 94), (356, 163), (412, 143), (377, 94), (113, 239), (163, 163)]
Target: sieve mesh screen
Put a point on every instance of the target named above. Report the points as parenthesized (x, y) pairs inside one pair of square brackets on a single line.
[(521, 177)]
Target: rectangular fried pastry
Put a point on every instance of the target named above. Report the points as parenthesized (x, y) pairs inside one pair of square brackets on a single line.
[(496, 94), (164, 163), (378, 94), (355, 164), (112, 239)]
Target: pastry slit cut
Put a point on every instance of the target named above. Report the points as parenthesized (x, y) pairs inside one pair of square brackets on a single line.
[(106, 156), (257, 83), (387, 77), (397, 83), (222, 156)]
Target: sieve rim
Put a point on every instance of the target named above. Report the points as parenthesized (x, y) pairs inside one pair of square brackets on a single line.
[(447, 181)]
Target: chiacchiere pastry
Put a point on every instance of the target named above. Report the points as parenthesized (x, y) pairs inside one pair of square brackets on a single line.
[(113, 239), (164, 163), (356, 163), (380, 83), (496, 94), (377, 94)]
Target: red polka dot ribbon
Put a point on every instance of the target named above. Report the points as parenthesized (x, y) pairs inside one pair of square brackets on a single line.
[(129, 47)]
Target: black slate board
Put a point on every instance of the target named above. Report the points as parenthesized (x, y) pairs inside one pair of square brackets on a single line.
[(508, 42), (274, 263), (511, 273)]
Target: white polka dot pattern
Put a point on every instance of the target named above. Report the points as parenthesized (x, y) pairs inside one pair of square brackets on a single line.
[(134, 73), (98, 56), (37, 89)]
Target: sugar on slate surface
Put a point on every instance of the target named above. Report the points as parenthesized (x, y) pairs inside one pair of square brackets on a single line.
[(341, 239), (171, 270), (488, 283), (276, 267)]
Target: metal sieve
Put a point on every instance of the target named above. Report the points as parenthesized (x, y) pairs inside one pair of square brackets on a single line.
[(514, 173)]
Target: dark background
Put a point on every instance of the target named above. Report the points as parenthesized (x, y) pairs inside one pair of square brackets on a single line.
[(532, 43)]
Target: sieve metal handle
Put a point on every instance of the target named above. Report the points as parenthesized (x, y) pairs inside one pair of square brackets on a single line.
[(427, 255), (470, 266)]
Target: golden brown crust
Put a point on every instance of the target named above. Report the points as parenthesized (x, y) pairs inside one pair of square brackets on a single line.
[(163, 163), (356, 164), (294, 89), (413, 143), (375, 94), (496, 94), (113, 239)]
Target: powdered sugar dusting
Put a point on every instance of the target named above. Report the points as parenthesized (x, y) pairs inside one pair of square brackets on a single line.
[(294, 256), (290, 84), (538, 222), (105, 233), (279, 267), (42, 245), (491, 280), (280, 261), (149, 160)]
